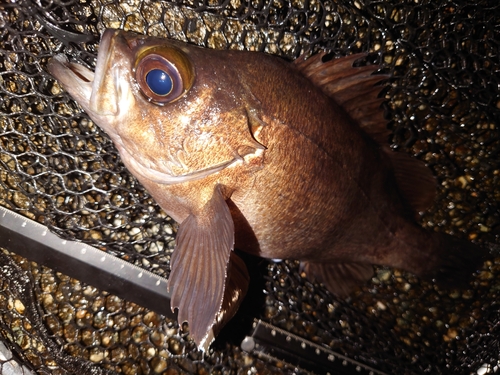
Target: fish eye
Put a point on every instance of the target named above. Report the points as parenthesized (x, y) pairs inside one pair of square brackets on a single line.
[(163, 76), (159, 82)]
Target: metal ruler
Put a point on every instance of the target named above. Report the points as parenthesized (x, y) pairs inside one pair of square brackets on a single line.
[(83, 262), (121, 278), (277, 344)]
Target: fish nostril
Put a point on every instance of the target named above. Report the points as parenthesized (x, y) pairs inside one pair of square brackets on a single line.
[(132, 44), (132, 40)]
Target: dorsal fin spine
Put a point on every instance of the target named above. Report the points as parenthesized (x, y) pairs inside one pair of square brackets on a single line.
[(355, 90)]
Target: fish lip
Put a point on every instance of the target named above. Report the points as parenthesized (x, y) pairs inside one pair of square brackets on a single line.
[(105, 45), (164, 178), (82, 83), (75, 78)]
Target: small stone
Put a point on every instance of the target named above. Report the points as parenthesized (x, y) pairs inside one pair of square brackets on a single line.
[(19, 306), (159, 365), (96, 356)]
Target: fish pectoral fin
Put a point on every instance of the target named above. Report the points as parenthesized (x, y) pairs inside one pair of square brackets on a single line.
[(199, 266), (339, 278)]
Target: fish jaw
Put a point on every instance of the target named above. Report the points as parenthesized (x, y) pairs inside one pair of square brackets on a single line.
[(104, 94), (163, 178), (76, 79), (79, 83)]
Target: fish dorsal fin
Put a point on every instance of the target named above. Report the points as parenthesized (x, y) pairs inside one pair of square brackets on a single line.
[(356, 90), (349, 87), (414, 179)]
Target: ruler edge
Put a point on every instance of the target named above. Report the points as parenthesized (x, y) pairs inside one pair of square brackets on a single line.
[(265, 343), (17, 227)]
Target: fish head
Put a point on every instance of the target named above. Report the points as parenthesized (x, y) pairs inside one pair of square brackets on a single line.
[(171, 109)]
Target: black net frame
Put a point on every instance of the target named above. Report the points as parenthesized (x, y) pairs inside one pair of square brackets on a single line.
[(58, 168)]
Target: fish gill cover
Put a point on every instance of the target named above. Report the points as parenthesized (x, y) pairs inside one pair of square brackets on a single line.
[(58, 168)]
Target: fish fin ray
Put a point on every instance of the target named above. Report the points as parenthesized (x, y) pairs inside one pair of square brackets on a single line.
[(339, 278), (349, 86), (414, 179), (454, 261), (237, 282), (199, 266)]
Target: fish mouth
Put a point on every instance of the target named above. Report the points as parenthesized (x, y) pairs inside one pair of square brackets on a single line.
[(83, 84), (76, 79)]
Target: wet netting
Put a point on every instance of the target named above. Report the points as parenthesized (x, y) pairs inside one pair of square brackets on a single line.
[(60, 169)]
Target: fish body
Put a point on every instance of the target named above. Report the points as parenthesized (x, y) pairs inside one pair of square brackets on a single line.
[(278, 159)]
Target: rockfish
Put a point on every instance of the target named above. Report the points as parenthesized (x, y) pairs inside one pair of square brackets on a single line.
[(277, 159)]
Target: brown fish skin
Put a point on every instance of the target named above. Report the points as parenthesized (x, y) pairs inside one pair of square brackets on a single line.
[(257, 151)]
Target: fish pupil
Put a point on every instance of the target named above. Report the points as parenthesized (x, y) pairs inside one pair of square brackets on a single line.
[(159, 82)]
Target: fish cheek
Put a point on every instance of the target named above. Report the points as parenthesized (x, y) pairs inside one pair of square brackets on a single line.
[(233, 108), (139, 139)]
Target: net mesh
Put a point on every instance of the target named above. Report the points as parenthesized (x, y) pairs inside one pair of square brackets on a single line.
[(58, 168)]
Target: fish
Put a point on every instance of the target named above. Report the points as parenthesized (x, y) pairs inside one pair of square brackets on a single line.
[(279, 159)]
